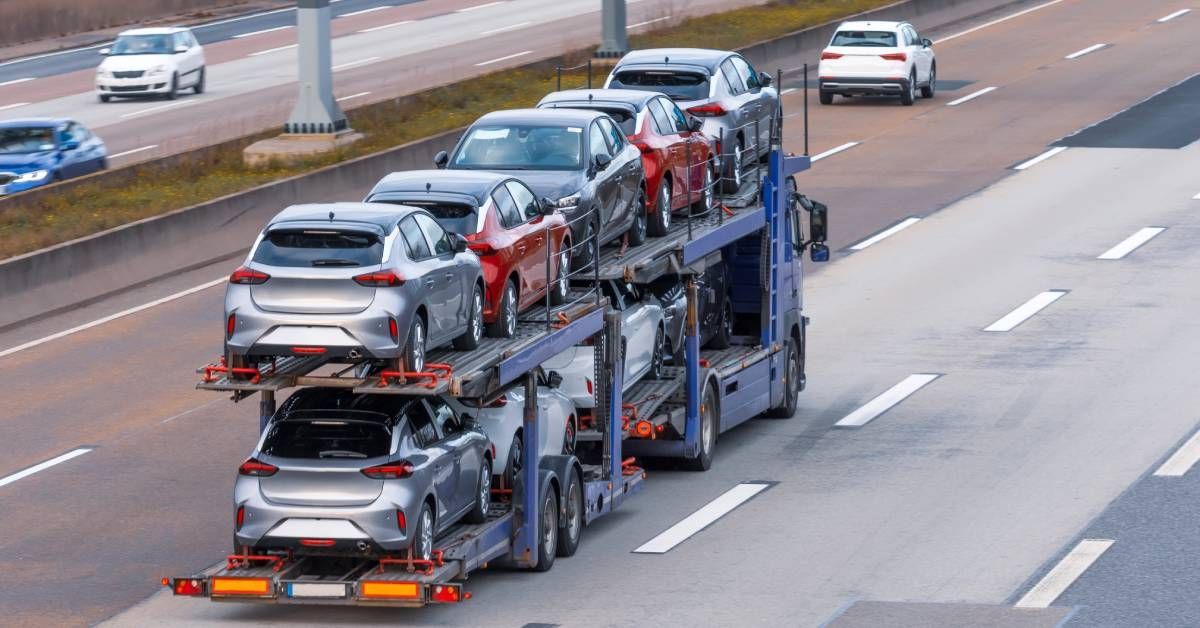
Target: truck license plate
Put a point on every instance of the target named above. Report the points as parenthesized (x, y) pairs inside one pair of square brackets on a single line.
[(312, 589)]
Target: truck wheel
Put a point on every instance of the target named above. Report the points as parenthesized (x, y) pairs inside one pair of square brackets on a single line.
[(483, 494), (547, 532), (570, 529), (791, 385), (708, 433), (506, 319), (660, 220), (474, 333)]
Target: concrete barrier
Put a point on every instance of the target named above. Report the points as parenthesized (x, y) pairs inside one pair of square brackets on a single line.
[(73, 273)]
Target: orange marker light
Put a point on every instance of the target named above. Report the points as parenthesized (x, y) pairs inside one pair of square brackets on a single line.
[(241, 586), (390, 590)]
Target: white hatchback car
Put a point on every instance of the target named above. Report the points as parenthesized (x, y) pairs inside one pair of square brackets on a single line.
[(151, 62), (877, 58)]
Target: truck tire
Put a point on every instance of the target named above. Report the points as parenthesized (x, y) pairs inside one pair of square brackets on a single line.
[(708, 433), (547, 532), (570, 529), (791, 385)]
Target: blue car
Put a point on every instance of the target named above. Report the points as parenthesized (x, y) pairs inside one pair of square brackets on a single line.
[(37, 151)]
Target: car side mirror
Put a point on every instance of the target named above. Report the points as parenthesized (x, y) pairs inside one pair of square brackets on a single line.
[(602, 162), (819, 253), (695, 124), (460, 243), (765, 79), (926, 43), (554, 379), (547, 206), (104, 52), (468, 421), (818, 225), (70, 145), (441, 159)]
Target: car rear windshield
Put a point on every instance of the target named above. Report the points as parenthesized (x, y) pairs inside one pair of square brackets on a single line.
[(365, 436), (678, 85), (312, 247), (878, 39), (26, 140), (521, 147), (459, 218)]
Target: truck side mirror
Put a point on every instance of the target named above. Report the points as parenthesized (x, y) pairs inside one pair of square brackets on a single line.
[(441, 159), (818, 253), (818, 224)]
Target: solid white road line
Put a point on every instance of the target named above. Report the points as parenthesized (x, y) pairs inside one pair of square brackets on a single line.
[(996, 21), (241, 18), (510, 27), (132, 151), (358, 95), (1194, 198), (13, 106), (15, 81), (370, 10), (890, 231), (478, 6), (1026, 311), (504, 58), (968, 97), (702, 518), (355, 63), (42, 466), (379, 28), (884, 402), (1040, 158), (833, 151), (270, 50), (1080, 53), (787, 91), (1168, 18), (1065, 573), (112, 317), (648, 22), (265, 30), (179, 103), (1182, 460), (1128, 245)]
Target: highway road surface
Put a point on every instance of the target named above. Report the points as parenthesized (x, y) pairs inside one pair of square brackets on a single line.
[(999, 426), (381, 50)]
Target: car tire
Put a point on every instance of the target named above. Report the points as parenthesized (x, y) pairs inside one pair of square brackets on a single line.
[(930, 87), (660, 218), (723, 335), (909, 95), (506, 316), (705, 202), (474, 333), (570, 436), (570, 529), (198, 88), (826, 98), (422, 540), (791, 386), (637, 231), (731, 182), (105, 98), (659, 354), (513, 466), (170, 95), (708, 433), (562, 287), (414, 347), (547, 532), (483, 494)]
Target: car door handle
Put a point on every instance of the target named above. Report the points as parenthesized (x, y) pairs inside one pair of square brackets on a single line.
[(430, 282)]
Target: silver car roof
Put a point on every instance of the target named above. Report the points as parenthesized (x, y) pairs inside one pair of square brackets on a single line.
[(666, 57), (382, 215)]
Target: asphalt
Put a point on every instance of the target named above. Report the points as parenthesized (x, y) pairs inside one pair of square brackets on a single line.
[(1170, 119), (949, 505)]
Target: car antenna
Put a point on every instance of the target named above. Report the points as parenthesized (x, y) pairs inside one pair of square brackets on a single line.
[(427, 186), (331, 216), (591, 97), (666, 60)]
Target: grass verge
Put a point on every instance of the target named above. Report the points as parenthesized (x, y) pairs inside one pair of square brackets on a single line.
[(31, 222)]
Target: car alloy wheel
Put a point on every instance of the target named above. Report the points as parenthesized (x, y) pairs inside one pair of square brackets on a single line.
[(510, 311), (706, 197), (656, 360), (425, 550), (485, 487), (569, 436), (416, 345), (477, 315)]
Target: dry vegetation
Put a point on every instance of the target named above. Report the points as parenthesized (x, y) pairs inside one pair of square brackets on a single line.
[(151, 190), (29, 20)]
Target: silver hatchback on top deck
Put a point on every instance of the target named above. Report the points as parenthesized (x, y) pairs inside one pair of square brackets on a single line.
[(353, 281)]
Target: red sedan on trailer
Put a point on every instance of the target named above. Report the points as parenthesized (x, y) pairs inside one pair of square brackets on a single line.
[(667, 137), (504, 223)]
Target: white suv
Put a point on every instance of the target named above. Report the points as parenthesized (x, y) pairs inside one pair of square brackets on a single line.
[(151, 62), (877, 58)]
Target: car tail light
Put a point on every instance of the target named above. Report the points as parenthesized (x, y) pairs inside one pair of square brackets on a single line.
[(248, 277), (831, 55), (394, 329), (257, 469), (229, 326), (644, 147), (445, 593), (185, 586), (389, 471), (382, 279), (401, 522), (481, 248), (895, 56), (317, 542), (500, 402), (588, 381), (241, 517), (711, 109)]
